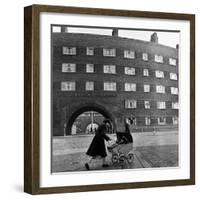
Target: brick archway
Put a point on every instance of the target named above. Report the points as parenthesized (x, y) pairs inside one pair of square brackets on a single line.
[(88, 107)]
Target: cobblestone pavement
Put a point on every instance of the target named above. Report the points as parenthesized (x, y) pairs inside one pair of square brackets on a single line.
[(160, 156), (150, 150)]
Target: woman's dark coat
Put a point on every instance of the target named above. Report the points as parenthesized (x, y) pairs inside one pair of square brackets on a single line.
[(97, 146)]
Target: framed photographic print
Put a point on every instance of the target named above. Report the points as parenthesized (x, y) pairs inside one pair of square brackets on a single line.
[(109, 99)]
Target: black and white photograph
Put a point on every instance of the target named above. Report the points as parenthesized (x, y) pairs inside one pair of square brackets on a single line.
[(109, 99), (114, 98)]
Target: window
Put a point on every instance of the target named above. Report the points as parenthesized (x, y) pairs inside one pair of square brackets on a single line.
[(90, 68), (145, 72), (69, 50), (144, 56), (130, 87), (174, 90), (68, 86), (175, 105), (147, 104), (130, 103), (109, 69), (89, 86), (129, 70), (146, 88), (161, 105), (68, 67), (160, 89), (109, 52), (161, 120), (172, 61), (110, 86), (56, 29), (173, 76), (147, 120), (129, 54), (175, 120), (159, 74), (90, 51), (158, 59)]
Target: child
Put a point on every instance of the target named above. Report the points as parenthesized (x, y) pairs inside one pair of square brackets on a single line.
[(124, 139)]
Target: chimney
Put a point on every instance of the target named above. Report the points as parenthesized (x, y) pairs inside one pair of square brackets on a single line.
[(64, 29), (115, 32), (177, 46), (154, 38)]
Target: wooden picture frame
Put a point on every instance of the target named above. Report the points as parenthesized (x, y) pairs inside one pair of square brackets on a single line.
[(32, 106)]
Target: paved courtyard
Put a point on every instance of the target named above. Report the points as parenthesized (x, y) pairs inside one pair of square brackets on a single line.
[(150, 150)]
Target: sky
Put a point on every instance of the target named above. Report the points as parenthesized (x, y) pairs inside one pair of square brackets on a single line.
[(166, 38)]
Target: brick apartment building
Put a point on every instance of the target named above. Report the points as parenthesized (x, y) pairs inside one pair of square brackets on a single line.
[(115, 76)]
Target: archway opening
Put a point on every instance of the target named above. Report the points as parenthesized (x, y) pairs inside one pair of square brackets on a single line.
[(87, 123), (92, 128), (87, 117)]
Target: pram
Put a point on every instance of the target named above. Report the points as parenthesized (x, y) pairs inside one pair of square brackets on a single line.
[(121, 150)]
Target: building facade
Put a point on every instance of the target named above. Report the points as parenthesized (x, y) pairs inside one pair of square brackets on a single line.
[(117, 77)]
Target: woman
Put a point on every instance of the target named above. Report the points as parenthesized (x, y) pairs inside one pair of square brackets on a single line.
[(97, 146)]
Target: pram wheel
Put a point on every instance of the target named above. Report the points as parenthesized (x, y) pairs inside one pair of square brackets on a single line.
[(115, 158), (130, 157), (122, 158)]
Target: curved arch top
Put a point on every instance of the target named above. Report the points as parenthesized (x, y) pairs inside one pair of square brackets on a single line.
[(88, 107)]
